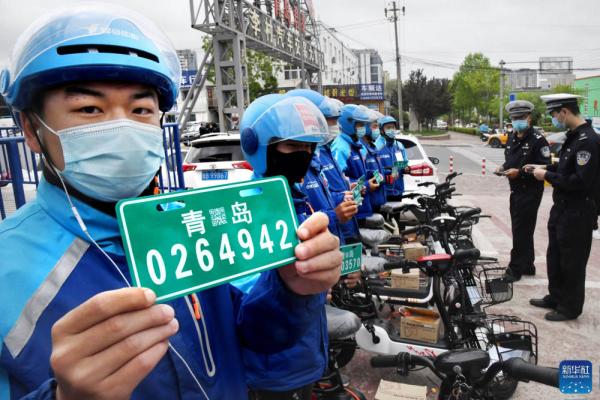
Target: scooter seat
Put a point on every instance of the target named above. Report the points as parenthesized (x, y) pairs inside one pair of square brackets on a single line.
[(392, 207), (373, 237), (341, 323), (374, 221), (471, 361)]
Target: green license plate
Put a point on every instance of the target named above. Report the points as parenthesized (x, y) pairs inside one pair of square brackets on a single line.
[(184, 242), (378, 177), (352, 256)]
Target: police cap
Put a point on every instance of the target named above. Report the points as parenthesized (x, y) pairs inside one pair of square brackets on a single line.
[(554, 102), (519, 108)]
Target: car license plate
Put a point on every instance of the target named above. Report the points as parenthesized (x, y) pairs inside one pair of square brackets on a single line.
[(183, 242), (215, 175)]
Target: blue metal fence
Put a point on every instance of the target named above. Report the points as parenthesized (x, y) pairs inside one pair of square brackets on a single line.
[(19, 167)]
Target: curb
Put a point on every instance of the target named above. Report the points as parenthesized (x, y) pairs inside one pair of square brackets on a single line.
[(443, 136)]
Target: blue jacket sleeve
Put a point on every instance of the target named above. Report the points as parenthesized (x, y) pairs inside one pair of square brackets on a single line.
[(270, 317), (338, 197), (47, 391), (341, 152)]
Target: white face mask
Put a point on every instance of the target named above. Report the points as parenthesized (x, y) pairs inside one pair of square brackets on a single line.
[(113, 160)]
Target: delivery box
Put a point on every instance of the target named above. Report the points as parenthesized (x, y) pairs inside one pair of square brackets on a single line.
[(400, 391), (414, 279), (414, 250), (420, 324)]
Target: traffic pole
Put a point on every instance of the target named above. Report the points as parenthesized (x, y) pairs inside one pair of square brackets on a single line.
[(483, 166), (451, 162)]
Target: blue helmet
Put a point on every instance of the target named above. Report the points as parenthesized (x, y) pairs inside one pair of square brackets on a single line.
[(350, 114), (388, 119), (274, 118), (95, 42), (329, 108)]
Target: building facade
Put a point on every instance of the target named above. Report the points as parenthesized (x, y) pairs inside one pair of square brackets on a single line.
[(522, 79), (189, 67), (590, 89), (555, 71), (370, 66)]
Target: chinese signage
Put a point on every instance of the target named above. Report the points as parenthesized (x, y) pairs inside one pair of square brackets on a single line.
[(184, 242), (187, 77), (285, 32), (371, 91)]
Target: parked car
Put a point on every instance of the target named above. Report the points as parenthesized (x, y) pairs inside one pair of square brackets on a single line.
[(215, 159), (556, 140), (422, 168), (439, 124), (497, 139)]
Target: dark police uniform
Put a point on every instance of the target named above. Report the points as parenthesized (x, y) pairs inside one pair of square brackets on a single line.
[(525, 197), (576, 179)]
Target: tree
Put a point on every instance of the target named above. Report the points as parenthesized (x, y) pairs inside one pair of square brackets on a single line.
[(474, 87), (429, 98), (261, 72)]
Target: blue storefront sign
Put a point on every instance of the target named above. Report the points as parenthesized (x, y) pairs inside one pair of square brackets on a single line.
[(371, 91), (187, 77)]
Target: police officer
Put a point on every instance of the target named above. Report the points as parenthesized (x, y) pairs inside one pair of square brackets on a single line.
[(525, 146), (576, 179)]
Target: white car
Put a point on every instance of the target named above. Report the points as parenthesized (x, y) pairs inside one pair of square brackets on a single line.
[(215, 159), (422, 168)]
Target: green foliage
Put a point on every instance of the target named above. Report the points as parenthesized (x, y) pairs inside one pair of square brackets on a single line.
[(470, 131), (429, 98), (475, 86)]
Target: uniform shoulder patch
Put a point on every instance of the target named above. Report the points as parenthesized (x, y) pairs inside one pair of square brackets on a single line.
[(545, 151), (583, 157)]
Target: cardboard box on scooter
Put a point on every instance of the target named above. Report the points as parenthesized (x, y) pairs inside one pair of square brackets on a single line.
[(400, 391), (410, 280), (414, 250), (420, 324)]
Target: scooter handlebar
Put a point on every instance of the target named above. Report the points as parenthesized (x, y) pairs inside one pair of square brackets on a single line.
[(385, 361), (524, 371)]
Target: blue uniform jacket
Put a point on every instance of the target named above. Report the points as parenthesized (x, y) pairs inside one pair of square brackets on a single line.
[(47, 268), (373, 164), (350, 157), (316, 187), (337, 184), (387, 157), (305, 362)]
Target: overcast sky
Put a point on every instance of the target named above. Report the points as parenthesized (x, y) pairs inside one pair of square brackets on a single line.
[(434, 34)]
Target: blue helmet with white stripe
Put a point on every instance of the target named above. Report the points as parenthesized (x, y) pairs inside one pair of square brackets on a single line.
[(93, 42), (274, 118)]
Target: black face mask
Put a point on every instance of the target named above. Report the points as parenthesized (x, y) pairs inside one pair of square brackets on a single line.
[(291, 165)]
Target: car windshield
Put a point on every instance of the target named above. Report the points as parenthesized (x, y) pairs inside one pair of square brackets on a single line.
[(225, 150), (412, 150)]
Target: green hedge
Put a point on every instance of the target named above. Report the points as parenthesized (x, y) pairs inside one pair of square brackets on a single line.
[(470, 131)]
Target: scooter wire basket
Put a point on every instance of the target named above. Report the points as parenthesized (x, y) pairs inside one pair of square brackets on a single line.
[(509, 337), (492, 283)]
